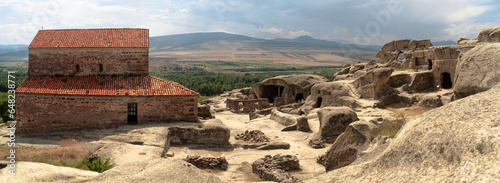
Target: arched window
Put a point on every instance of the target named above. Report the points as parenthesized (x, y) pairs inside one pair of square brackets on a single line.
[(77, 68), (101, 68)]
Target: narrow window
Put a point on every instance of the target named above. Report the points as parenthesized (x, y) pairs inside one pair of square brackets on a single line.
[(77, 68), (101, 68)]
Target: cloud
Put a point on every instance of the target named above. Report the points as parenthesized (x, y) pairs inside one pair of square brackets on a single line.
[(333, 20), (466, 30), (274, 32), (299, 33)]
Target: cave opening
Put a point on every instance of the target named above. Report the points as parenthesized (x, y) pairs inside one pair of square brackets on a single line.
[(299, 97), (318, 102), (272, 91), (446, 80)]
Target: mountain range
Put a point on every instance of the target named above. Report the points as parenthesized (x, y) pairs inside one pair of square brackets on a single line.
[(217, 41)]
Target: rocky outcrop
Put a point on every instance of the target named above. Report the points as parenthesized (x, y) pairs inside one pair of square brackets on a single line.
[(205, 112), (259, 113), (334, 120), (373, 84), (208, 162), (488, 35), (212, 132), (477, 70), (399, 79), (285, 89), (283, 118), (273, 168), (430, 101), (336, 94), (344, 150), (421, 81), (43, 172), (158, 170), (391, 50), (458, 142)]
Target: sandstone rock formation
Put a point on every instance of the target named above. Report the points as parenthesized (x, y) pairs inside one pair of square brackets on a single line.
[(335, 94), (208, 162), (159, 170), (391, 50), (344, 150), (212, 132), (488, 35), (373, 84), (42, 172), (477, 70), (282, 90), (205, 112), (458, 142), (334, 120)]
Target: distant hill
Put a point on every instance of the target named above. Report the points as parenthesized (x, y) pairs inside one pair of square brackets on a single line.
[(310, 40), (444, 43), (13, 52), (219, 40), (178, 41)]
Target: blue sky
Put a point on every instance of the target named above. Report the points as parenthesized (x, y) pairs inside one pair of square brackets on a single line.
[(361, 21)]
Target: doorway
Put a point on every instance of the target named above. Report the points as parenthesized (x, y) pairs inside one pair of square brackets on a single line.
[(429, 64), (446, 81), (132, 114), (299, 97), (272, 91), (318, 102)]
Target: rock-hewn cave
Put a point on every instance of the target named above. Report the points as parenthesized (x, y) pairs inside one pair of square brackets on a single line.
[(446, 81), (272, 91)]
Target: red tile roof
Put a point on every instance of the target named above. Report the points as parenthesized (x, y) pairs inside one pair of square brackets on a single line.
[(91, 38), (103, 85)]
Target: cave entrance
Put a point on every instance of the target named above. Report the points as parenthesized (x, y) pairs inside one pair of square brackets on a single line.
[(272, 91), (446, 80), (299, 97), (318, 102), (429, 64)]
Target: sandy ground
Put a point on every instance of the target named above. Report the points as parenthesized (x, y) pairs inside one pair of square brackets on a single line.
[(238, 123), (122, 151)]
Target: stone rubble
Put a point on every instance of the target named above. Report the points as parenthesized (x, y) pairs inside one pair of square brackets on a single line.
[(208, 162), (317, 143), (254, 136), (274, 168)]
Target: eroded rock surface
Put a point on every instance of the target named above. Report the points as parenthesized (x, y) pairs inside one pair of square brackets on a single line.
[(334, 121), (442, 145), (478, 70)]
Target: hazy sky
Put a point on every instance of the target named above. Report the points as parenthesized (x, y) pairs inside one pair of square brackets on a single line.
[(357, 21)]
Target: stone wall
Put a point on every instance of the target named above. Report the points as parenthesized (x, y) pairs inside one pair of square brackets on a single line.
[(64, 61), (40, 112), (246, 105)]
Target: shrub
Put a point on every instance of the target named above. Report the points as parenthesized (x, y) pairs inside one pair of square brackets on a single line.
[(97, 164)]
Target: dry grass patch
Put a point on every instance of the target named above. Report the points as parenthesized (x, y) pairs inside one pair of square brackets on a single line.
[(70, 153), (389, 128)]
